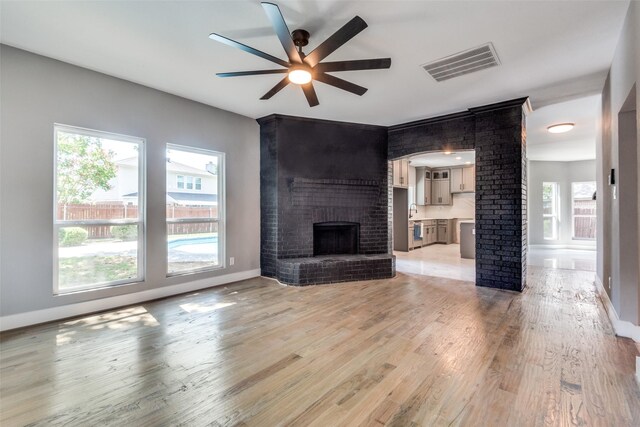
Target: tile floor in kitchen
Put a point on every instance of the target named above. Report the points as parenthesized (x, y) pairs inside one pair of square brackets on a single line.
[(445, 261)]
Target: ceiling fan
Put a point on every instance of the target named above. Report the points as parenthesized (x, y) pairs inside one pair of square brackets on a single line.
[(301, 68)]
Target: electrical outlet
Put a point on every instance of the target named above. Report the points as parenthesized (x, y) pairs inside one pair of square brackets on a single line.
[(232, 261)]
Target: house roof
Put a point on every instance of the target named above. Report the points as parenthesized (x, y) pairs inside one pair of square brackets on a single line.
[(172, 166), (193, 197), (187, 198)]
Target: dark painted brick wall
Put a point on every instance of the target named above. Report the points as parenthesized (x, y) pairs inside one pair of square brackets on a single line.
[(500, 199), (316, 171), (268, 199), (498, 134)]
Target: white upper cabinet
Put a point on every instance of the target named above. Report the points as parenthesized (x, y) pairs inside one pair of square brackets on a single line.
[(401, 173), (423, 186), (463, 180)]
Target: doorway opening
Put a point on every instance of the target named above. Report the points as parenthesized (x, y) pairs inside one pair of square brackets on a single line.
[(434, 214)]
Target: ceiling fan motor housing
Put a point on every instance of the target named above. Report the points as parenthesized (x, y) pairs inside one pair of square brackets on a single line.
[(300, 37)]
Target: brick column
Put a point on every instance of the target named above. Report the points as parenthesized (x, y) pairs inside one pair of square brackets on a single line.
[(268, 197), (501, 197)]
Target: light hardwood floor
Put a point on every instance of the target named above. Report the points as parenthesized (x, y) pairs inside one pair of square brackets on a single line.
[(409, 351)]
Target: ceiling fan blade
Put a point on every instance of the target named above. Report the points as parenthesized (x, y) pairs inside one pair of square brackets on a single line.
[(251, 73), (249, 49), (340, 83), (361, 64), (275, 16), (310, 94), (337, 39), (277, 88)]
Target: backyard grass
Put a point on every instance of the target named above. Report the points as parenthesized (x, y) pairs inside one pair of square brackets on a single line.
[(77, 271)]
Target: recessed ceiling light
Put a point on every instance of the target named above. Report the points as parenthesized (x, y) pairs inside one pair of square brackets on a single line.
[(447, 152), (467, 163), (458, 158), (560, 127)]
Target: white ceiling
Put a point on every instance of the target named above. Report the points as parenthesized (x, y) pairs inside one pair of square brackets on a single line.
[(440, 159), (551, 51), (577, 144)]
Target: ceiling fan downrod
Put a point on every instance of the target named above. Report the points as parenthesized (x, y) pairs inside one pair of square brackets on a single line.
[(300, 38)]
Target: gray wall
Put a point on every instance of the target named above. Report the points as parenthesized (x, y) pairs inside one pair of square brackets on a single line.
[(37, 92), (564, 173), (618, 243)]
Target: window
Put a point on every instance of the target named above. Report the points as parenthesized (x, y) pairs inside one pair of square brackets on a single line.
[(99, 209), (191, 182), (550, 210), (195, 221), (583, 209)]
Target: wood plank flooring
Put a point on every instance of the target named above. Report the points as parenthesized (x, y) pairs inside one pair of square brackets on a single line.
[(409, 351)]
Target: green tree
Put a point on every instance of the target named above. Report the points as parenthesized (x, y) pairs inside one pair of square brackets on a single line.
[(83, 167)]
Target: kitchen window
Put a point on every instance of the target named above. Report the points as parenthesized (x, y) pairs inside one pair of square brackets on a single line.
[(550, 210), (195, 221), (583, 209), (98, 209)]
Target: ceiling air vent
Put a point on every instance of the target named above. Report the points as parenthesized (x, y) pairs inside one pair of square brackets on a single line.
[(462, 63)]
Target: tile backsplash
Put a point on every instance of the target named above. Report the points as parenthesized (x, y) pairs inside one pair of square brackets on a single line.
[(463, 206)]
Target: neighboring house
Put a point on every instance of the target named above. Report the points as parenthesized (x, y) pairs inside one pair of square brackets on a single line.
[(186, 185)]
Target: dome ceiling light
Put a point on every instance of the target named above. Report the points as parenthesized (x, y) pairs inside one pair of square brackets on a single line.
[(560, 127)]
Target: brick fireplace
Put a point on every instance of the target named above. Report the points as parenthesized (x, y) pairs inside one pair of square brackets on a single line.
[(324, 189)]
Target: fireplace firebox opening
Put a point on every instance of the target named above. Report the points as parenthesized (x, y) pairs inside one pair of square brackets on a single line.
[(336, 238)]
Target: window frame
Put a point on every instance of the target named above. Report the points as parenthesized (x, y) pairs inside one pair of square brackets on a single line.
[(574, 216), (180, 181), (555, 216), (141, 221), (221, 220)]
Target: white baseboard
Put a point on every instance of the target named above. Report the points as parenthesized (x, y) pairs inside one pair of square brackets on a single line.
[(622, 328), (20, 320), (573, 247)]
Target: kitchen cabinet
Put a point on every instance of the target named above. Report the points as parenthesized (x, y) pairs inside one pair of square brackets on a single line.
[(440, 187), (440, 174), (423, 186), (463, 180), (429, 232), (441, 193), (444, 231), (401, 173)]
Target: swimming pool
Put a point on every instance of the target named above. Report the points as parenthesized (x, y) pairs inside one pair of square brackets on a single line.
[(192, 241)]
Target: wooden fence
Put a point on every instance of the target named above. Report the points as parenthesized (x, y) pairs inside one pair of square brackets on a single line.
[(109, 211)]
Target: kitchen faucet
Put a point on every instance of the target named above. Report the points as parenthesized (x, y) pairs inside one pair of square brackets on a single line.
[(411, 209)]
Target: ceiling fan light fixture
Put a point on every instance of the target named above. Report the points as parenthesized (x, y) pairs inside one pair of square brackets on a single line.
[(300, 75), (560, 127)]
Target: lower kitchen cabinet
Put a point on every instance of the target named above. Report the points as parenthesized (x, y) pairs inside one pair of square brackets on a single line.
[(445, 231)]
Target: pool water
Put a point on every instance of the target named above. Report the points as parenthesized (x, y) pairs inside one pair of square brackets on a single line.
[(192, 241)]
